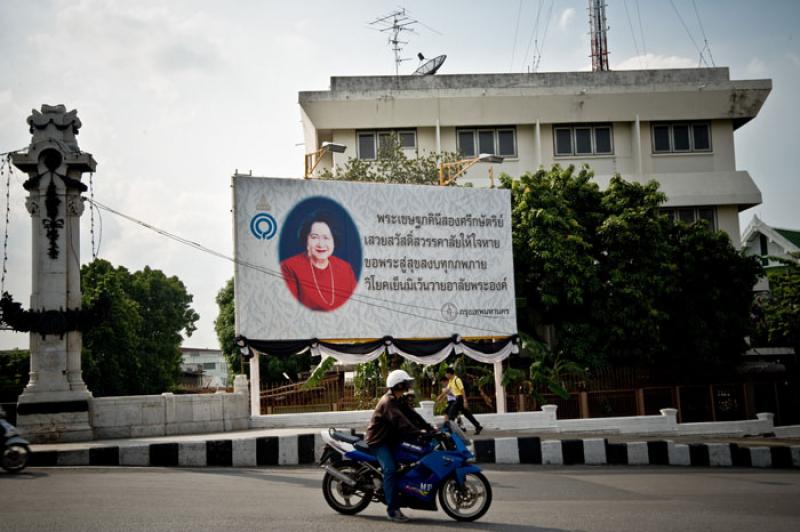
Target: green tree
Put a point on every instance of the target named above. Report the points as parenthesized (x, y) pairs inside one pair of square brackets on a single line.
[(15, 365), (617, 281), (709, 300), (782, 312), (224, 326), (272, 369), (393, 166), (136, 349)]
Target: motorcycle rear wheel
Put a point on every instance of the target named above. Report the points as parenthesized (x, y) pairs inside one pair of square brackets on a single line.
[(345, 499), (15, 457), (468, 503)]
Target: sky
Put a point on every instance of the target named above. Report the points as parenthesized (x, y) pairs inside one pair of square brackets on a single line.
[(176, 96)]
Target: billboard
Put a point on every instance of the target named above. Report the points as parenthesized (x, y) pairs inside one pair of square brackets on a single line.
[(344, 260)]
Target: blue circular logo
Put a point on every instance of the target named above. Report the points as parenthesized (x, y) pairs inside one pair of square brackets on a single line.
[(263, 226)]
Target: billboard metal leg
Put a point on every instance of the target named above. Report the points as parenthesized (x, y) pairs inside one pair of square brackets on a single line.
[(500, 392), (255, 385)]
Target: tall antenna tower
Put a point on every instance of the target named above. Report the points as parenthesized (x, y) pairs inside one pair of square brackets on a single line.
[(395, 24), (598, 28)]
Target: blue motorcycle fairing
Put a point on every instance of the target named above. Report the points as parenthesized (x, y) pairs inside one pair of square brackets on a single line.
[(360, 456), (461, 472)]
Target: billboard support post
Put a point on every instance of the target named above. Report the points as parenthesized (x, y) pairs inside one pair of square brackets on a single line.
[(500, 391), (255, 385)]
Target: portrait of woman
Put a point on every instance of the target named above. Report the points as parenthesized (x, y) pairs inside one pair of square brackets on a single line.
[(315, 276)]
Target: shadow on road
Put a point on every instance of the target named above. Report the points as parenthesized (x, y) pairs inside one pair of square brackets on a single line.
[(477, 525), (259, 475), (24, 475)]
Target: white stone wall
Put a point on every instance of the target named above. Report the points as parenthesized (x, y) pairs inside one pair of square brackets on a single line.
[(166, 414)]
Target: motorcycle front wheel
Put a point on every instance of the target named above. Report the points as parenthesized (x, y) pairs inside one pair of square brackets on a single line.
[(345, 499), (15, 457), (469, 502)]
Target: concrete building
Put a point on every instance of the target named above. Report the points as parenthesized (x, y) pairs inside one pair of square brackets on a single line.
[(675, 126), (210, 364)]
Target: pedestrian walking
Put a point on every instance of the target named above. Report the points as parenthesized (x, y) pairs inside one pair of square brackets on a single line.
[(460, 405)]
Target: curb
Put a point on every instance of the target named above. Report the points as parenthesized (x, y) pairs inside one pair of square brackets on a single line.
[(303, 449)]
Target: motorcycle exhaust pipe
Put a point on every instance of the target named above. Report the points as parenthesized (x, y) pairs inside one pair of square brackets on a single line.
[(339, 475)]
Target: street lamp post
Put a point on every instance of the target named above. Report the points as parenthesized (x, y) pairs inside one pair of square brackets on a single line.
[(450, 172), (313, 159)]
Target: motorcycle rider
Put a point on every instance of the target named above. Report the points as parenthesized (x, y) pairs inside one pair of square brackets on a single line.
[(390, 424)]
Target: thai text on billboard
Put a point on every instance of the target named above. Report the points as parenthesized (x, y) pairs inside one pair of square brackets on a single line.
[(343, 260)]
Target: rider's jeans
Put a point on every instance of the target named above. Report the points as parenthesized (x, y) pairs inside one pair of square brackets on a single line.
[(386, 458)]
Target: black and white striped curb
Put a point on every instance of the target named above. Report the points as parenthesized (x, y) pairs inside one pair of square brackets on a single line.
[(248, 452), (306, 449), (599, 451)]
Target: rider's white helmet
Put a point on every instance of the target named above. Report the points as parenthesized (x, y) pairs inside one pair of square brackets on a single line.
[(396, 377)]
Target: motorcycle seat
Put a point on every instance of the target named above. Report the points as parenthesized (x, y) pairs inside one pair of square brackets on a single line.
[(347, 438)]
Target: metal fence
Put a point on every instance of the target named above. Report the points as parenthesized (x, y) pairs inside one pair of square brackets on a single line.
[(723, 401)]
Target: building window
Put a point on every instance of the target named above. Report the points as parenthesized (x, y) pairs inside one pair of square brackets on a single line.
[(690, 215), (371, 144), (497, 141), (681, 137), (209, 365), (584, 139)]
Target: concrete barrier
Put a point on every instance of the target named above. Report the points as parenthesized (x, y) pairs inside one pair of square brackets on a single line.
[(299, 449)]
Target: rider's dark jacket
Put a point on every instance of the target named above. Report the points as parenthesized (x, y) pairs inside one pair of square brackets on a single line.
[(389, 424)]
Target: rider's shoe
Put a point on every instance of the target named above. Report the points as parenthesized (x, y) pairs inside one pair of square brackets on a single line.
[(478, 430), (397, 516)]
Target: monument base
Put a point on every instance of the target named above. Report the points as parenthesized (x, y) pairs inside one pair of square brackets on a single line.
[(55, 417)]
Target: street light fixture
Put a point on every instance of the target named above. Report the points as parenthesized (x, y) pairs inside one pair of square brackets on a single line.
[(313, 159), (449, 172)]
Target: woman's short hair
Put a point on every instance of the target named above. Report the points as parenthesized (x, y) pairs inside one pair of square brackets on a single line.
[(319, 216)]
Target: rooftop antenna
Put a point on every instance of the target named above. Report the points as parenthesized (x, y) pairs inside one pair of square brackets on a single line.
[(597, 30), (395, 23)]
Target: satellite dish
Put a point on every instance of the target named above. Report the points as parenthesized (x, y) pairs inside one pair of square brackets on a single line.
[(430, 68)]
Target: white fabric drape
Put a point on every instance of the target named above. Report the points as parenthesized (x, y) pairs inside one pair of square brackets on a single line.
[(435, 358), (439, 356), (499, 356), (347, 358)]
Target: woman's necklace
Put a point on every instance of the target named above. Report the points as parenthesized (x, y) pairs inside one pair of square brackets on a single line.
[(316, 284)]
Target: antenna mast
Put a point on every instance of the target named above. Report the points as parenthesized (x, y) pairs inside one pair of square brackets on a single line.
[(598, 28), (394, 24)]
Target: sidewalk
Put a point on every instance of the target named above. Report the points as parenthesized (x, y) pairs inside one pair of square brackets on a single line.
[(296, 446)]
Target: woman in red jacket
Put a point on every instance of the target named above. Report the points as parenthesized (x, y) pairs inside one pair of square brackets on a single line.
[(316, 277)]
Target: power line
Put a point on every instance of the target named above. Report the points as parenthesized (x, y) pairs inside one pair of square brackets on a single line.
[(641, 32), (633, 34), (362, 299), (516, 32), (6, 167), (689, 33), (703, 32), (540, 48), (534, 32)]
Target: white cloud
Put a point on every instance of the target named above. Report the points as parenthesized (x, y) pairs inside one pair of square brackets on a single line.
[(756, 67), (565, 18), (655, 61)]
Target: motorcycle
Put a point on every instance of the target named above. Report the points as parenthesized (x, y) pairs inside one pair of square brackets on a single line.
[(15, 449), (438, 468)]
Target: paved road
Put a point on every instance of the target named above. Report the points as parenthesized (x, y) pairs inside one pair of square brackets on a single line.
[(535, 498)]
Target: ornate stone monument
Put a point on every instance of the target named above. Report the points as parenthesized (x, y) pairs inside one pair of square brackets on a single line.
[(55, 404)]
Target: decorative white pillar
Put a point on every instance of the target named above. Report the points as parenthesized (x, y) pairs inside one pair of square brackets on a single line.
[(55, 404)]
